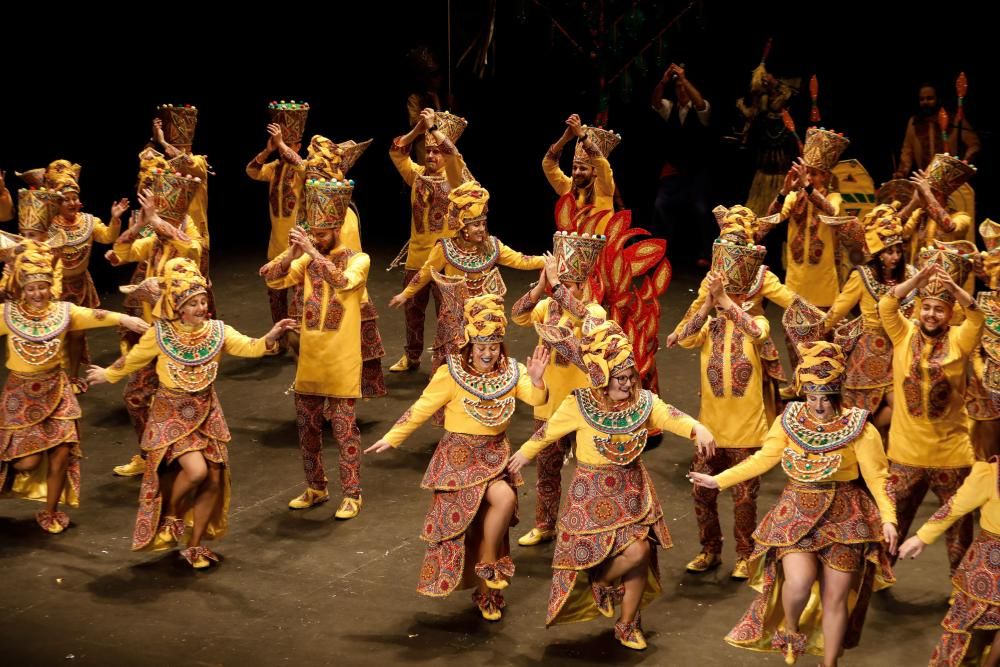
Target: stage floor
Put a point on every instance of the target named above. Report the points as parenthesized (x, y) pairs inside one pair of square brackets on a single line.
[(299, 588)]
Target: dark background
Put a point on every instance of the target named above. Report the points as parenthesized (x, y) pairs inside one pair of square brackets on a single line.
[(86, 85)]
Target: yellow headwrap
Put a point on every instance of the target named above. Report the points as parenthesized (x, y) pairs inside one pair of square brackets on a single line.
[(605, 349), (33, 263), (821, 368), (883, 228), (467, 203), (63, 175), (181, 281), (485, 321)]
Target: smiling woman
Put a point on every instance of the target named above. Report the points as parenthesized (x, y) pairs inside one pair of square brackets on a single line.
[(474, 503), (39, 439), (186, 484)]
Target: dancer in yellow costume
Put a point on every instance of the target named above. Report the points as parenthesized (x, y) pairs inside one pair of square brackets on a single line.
[(592, 182), (605, 544), (475, 502), (567, 274), (820, 551), (186, 484), (732, 396), (39, 438), (430, 183)]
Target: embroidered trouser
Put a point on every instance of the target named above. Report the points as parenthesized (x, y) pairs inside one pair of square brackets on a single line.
[(415, 313), (279, 304), (548, 487), (310, 413), (138, 394), (908, 485), (706, 506)]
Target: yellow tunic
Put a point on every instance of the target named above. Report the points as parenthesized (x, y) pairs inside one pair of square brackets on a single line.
[(428, 198), (349, 236), (80, 236), (568, 419), (156, 253), (938, 437), (444, 391), (285, 197), (330, 347), (561, 375), (148, 349), (437, 261), (601, 194), (978, 491), (732, 391), (79, 319), (816, 282), (864, 454)]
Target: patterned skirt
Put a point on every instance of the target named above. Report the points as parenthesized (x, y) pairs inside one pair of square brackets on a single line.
[(40, 412), (607, 508), (975, 615), (80, 290), (180, 422), (869, 371), (462, 468), (840, 523)]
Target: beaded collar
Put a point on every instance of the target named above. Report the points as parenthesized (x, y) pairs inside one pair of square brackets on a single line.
[(37, 328), (76, 234), (191, 348), (618, 422), (819, 438), (485, 387), (470, 261)]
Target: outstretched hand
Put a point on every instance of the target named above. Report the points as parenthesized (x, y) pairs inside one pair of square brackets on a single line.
[(537, 363), (382, 445), (516, 462), (702, 480), (96, 375)]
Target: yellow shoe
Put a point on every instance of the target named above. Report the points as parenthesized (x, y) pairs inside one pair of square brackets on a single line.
[(133, 468), (704, 562), (199, 557), (630, 635), (787, 393), (742, 570), (404, 364), (490, 604), (536, 536), (349, 508), (309, 498), (52, 522)]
